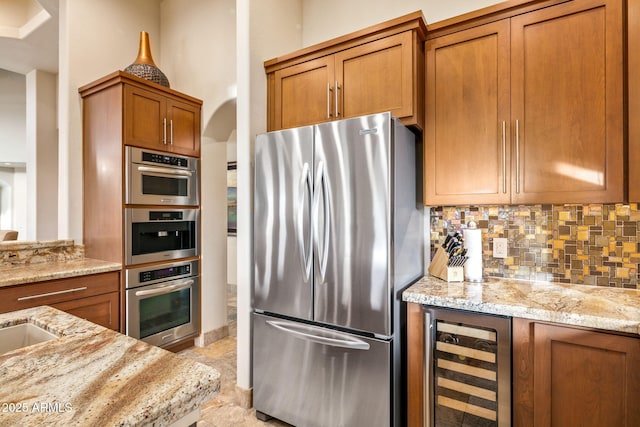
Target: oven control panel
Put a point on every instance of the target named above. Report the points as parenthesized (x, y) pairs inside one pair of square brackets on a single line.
[(163, 159), (159, 273), (164, 273)]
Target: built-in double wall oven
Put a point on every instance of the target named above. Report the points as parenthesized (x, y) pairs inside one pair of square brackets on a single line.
[(162, 245)]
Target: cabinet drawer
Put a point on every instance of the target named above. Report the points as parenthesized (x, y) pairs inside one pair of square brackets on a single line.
[(56, 291)]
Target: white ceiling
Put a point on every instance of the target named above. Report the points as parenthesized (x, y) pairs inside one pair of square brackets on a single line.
[(29, 35)]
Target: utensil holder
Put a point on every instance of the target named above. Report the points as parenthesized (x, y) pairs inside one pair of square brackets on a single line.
[(439, 267)]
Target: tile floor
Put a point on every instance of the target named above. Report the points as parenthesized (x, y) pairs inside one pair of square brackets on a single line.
[(223, 410)]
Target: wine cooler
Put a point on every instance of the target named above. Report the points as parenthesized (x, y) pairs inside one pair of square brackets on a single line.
[(468, 369)]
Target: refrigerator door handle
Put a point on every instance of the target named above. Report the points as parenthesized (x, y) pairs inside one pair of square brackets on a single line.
[(323, 251), (327, 224), (305, 254), (304, 332)]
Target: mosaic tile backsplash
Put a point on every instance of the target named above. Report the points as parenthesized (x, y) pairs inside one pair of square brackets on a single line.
[(582, 244)]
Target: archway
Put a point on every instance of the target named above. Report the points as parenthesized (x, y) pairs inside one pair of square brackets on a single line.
[(218, 248)]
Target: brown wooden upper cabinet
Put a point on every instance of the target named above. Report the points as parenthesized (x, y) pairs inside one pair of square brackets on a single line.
[(155, 120), (377, 69), (145, 114), (525, 105)]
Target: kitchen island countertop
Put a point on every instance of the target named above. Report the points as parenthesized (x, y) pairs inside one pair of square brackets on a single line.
[(95, 376), (611, 309)]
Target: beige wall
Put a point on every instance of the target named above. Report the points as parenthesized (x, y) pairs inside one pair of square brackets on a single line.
[(326, 19), (13, 106), (42, 156)]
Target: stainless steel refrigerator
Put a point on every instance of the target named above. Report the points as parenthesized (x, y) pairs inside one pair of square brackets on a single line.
[(338, 234)]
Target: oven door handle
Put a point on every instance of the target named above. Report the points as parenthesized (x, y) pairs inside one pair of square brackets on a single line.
[(165, 289), (164, 171)]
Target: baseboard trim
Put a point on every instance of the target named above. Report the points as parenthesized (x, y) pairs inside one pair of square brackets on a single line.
[(245, 397), (210, 337)]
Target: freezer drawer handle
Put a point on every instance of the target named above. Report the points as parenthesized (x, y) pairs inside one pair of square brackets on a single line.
[(344, 341)]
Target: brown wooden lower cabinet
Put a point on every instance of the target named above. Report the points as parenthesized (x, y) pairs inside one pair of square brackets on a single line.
[(100, 309), (93, 297), (569, 376), (562, 375)]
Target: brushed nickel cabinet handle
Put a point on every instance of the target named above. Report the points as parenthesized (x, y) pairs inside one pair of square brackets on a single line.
[(504, 157), (66, 291), (164, 131), (171, 128), (328, 100), (337, 100), (517, 156)]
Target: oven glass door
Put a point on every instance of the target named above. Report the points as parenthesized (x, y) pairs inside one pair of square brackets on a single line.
[(163, 313), (162, 184)]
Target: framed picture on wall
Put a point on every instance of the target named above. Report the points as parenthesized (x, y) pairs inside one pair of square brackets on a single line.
[(232, 198)]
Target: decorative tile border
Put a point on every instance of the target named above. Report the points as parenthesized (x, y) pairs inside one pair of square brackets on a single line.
[(581, 244)]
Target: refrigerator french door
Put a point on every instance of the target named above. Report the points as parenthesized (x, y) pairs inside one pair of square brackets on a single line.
[(337, 236)]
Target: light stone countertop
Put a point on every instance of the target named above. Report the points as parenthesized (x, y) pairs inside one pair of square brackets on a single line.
[(16, 274), (93, 376), (611, 309)]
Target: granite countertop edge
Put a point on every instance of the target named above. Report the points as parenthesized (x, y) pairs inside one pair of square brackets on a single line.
[(608, 309), (20, 274), (105, 377)]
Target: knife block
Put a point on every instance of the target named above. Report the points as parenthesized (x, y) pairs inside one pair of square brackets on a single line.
[(439, 267)]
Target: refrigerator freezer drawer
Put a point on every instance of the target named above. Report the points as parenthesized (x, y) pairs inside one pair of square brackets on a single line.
[(312, 376)]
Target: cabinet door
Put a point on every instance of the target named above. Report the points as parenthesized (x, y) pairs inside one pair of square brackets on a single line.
[(376, 77), (566, 376), (144, 118), (183, 127), (567, 103), (100, 309), (467, 145), (303, 94)]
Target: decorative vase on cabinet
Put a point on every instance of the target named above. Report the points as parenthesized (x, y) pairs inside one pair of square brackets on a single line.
[(143, 66)]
